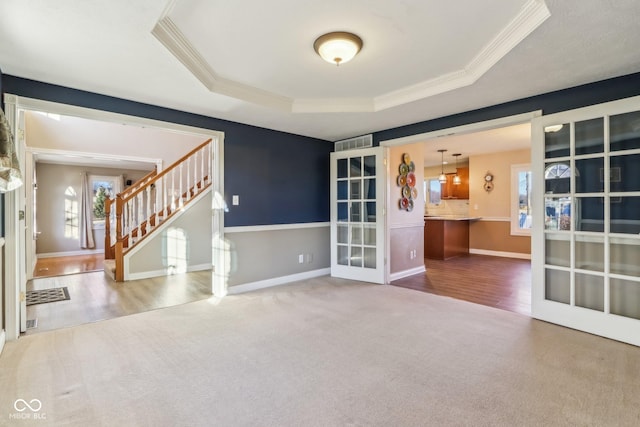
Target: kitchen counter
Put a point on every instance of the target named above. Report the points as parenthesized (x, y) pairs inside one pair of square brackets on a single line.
[(450, 218), (446, 236)]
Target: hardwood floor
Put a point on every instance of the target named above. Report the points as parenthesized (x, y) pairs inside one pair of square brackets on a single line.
[(503, 283), (58, 266), (95, 297)]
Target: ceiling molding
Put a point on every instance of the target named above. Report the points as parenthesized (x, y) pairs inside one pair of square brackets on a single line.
[(334, 105), (168, 33), (530, 17)]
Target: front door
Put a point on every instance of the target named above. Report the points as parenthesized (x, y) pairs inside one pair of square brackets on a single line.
[(358, 179)]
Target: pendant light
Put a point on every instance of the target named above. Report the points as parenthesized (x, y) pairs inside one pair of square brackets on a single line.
[(442, 178), (456, 178)]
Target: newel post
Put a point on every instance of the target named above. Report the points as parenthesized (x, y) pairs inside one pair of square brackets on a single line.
[(108, 252), (119, 249)]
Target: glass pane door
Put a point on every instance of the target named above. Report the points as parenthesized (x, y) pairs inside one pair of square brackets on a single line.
[(357, 223), (588, 235)]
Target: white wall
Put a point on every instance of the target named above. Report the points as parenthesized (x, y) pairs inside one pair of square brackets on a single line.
[(406, 228), (90, 136), (194, 224), (57, 185)]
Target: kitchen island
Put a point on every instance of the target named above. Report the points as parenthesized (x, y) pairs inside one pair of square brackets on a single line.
[(446, 236)]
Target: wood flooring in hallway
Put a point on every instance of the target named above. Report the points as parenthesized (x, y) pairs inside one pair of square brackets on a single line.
[(58, 266), (93, 297), (498, 282)]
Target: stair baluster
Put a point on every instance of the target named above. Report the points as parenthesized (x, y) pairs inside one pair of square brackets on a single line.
[(137, 212)]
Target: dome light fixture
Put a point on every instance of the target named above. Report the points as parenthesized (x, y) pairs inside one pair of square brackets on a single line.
[(338, 47), (442, 178)]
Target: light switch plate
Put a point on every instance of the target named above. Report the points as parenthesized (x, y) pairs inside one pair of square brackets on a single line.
[(235, 200)]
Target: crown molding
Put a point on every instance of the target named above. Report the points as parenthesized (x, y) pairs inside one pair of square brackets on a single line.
[(334, 105), (530, 17), (169, 34)]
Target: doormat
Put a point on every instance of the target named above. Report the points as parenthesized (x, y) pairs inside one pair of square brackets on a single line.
[(47, 295)]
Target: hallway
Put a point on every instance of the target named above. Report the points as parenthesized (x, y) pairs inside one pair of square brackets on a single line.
[(94, 297)]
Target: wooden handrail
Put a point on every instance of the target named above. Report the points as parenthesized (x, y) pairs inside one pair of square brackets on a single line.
[(133, 199), (157, 177), (141, 181)]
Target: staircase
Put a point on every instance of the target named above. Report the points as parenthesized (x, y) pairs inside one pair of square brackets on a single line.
[(142, 208)]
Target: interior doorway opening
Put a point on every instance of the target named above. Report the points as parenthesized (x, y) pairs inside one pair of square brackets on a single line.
[(489, 261), (20, 269)]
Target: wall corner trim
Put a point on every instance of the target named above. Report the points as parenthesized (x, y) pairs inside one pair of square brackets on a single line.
[(407, 273), (2, 339), (517, 255)]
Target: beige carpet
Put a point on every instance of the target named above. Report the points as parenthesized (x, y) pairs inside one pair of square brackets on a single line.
[(323, 352)]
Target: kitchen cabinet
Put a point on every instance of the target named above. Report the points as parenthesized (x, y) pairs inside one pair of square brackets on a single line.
[(461, 191), (445, 238)]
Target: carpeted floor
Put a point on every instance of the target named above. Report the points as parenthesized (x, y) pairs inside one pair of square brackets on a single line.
[(323, 352)]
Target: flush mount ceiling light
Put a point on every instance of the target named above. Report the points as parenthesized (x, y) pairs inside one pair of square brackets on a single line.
[(338, 47), (442, 178)]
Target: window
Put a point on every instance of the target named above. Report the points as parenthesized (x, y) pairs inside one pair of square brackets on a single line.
[(71, 228), (103, 187), (521, 200), (433, 188)]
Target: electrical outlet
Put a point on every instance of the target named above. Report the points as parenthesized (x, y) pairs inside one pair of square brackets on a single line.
[(235, 200), (300, 258)]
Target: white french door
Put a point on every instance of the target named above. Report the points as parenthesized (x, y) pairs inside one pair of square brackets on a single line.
[(358, 181), (586, 233)]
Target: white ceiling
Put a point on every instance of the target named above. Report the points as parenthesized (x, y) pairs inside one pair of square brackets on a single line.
[(253, 61), (510, 138), (92, 161)]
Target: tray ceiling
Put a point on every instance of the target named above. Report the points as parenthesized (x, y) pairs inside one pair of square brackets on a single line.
[(253, 61)]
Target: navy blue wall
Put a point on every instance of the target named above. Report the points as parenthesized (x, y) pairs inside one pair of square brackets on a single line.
[(281, 178), (284, 178), (549, 103)]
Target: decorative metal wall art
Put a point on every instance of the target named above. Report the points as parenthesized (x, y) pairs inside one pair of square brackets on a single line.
[(407, 183)]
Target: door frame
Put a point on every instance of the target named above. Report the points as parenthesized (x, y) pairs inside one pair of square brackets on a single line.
[(13, 106), (456, 130), (31, 154)]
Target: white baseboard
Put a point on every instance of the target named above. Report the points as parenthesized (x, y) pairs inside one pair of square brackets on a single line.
[(261, 284), (2, 339), (500, 254), (71, 253), (163, 272), (407, 273)]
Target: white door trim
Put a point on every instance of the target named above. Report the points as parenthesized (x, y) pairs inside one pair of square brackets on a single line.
[(461, 130), (456, 130), (14, 103)]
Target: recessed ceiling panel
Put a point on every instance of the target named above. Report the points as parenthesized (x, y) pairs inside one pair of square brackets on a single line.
[(412, 49)]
